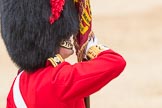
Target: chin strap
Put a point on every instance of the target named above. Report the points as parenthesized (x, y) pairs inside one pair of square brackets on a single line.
[(66, 44), (18, 99)]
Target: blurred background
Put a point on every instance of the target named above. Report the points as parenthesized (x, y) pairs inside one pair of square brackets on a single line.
[(134, 29)]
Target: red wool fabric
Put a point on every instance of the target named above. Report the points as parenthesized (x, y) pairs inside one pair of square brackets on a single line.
[(66, 85)]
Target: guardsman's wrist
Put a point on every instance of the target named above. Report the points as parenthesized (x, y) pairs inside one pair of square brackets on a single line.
[(94, 51)]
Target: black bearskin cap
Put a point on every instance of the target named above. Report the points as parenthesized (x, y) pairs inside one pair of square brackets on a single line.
[(29, 37)]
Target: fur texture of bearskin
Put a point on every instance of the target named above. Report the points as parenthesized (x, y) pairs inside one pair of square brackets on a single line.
[(29, 37)]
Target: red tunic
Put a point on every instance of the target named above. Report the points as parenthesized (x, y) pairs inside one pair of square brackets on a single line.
[(66, 85)]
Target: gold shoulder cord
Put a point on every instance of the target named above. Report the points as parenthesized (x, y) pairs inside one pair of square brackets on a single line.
[(94, 51), (56, 60)]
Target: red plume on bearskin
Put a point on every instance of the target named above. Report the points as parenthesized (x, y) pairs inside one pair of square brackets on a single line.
[(56, 9)]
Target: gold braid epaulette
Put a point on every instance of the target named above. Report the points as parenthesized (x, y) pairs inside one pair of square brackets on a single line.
[(56, 60), (94, 51)]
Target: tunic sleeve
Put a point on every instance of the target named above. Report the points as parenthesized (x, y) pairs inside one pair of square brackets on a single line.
[(84, 78)]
